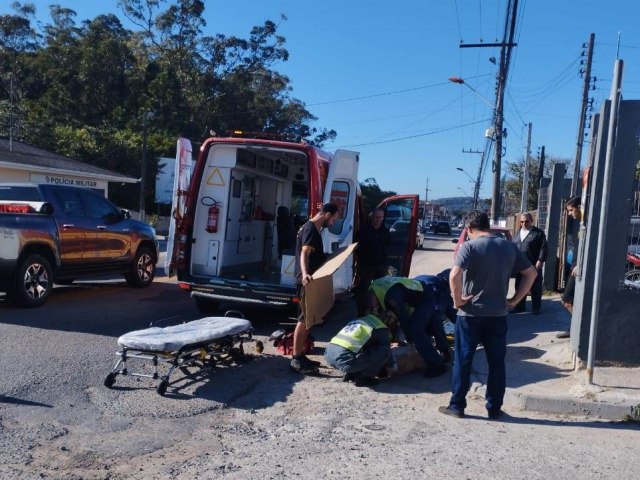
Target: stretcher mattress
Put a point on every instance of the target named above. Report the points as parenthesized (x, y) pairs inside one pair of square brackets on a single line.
[(175, 337)]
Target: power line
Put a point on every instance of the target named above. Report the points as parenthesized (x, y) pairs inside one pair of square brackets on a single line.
[(447, 129), (423, 87)]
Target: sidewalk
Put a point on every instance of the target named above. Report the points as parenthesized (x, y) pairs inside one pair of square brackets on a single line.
[(541, 375)]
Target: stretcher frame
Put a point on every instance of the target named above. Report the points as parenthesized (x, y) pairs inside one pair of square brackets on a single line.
[(204, 355)]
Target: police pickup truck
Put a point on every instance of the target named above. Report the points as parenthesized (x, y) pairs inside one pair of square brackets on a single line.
[(51, 233)]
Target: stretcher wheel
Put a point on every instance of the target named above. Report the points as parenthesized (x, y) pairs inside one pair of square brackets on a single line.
[(259, 346), (110, 380), (162, 387)]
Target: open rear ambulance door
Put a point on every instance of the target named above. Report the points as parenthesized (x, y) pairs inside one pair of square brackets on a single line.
[(182, 178), (341, 188), (404, 231)]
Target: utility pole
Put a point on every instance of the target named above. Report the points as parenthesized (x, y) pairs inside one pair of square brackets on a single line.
[(146, 116), (541, 168), (505, 58), (476, 185), (583, 113), (524, 199)]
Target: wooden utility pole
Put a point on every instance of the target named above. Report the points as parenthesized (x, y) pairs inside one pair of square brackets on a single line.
[(575, 181)]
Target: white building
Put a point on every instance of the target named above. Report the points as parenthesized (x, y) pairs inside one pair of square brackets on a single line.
[(26, 163)]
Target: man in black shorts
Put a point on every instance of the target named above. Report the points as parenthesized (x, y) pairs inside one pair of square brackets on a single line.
[(309, 257), (573, 210)]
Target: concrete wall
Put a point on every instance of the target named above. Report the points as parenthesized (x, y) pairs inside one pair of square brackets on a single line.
[(554, 206), (618, 332)]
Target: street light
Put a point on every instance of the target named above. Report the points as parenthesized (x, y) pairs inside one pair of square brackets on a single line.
[(496, 134), (464, 191), (461, 81), (476, 186), (146, 116)]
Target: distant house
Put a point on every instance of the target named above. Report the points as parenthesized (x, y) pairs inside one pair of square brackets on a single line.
[(26, 163)]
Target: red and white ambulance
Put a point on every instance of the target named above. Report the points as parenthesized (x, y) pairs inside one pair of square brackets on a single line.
[(237, 209)]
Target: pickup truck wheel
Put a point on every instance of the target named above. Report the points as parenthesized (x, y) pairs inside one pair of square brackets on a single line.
[(34, 281), (143, 269)]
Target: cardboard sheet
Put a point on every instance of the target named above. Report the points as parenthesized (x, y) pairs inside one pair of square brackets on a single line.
[(318, 294)]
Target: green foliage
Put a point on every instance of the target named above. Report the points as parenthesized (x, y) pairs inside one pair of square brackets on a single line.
[(512, 183), (81, 90), (372, 194)]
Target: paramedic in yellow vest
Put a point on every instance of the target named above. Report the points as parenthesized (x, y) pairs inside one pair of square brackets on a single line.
[(361, 350), (413, 303)]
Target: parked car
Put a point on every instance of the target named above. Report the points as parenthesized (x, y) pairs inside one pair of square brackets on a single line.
[(403, 226), (395, 213), (442, 227), (464, 236), (54, 233)]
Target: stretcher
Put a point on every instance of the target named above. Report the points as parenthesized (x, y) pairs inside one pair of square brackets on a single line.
[(202, 344)]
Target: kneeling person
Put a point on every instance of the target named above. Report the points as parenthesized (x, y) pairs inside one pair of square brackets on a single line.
[(361, 350)]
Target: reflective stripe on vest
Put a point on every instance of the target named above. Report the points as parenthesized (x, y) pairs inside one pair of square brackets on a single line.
[(381, 286), (357, 333)]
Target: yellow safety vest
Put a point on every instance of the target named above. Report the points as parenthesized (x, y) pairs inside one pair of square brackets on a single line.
[(354, 335), (381, 286)]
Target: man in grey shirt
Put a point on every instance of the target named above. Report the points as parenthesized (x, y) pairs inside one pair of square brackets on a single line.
[(479, 284)]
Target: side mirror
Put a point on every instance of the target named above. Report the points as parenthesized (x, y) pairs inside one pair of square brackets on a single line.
[(46, 208)]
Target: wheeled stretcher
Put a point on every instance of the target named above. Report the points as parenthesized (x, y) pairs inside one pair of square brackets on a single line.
[(202, 343)]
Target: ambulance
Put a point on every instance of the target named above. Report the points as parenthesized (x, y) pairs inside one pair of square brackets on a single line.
[(237, 208)]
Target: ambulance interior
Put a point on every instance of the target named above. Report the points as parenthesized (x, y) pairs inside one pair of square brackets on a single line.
[(266, 202)]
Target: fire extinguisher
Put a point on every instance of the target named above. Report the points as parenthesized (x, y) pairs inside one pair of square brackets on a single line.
[(212, 214)]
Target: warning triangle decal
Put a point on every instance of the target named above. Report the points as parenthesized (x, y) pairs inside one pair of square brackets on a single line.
[(215, 178)]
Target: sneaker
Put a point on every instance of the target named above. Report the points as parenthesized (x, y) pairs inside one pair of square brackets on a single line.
[(432, 372), (452, 412), (299, 366), (565, 334), (307, 361), (494, 413), (366, 382), (348, 377)]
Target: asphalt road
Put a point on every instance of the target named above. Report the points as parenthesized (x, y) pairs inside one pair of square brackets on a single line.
[(259, 419)]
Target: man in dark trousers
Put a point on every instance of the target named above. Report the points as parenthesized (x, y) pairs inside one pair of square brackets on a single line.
[(442, 307), (371, 256), (309, 257), (413, 303), (531, 241), (479, 284), (574, 211)]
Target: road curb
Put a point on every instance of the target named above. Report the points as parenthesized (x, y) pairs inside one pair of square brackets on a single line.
[(567, 405)]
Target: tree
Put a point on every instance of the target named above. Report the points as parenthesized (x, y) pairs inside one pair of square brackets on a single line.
[(512, 183), (372, 194)]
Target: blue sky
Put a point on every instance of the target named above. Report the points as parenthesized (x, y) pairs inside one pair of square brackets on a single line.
[(377, 72)]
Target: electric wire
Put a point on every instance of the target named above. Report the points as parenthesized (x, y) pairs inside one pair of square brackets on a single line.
[(433, 132)]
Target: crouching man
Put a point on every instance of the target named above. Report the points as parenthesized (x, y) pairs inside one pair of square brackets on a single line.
[(361, 349)]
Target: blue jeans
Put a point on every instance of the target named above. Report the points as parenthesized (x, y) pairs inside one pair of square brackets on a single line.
[(366, 363), (471, 331)]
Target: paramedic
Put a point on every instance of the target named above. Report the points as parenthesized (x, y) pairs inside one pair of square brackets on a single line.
[(413, 304), (309, 257), (442, 307), (361, 349)]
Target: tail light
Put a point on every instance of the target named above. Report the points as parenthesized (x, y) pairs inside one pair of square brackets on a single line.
[(16, 208)]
